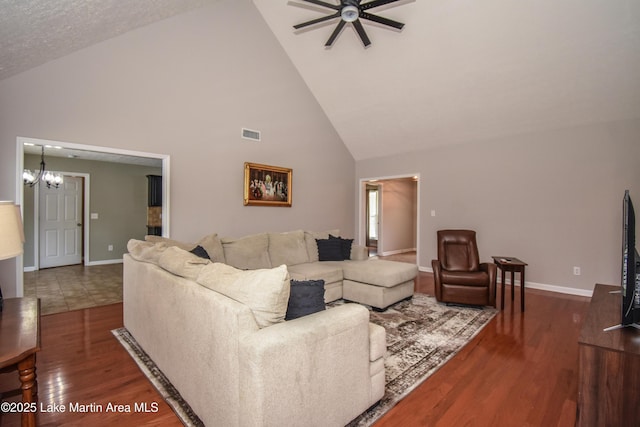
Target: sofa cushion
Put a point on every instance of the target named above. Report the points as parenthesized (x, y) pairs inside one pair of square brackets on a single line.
[(330, 273), (306, 297), (213, 246), (182, 263), (310, 240), (287, 248), (247, 253), (264, 291), (329, 250), (145, 251)]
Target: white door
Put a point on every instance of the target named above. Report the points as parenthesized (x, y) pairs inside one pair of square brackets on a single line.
[(61, 223)]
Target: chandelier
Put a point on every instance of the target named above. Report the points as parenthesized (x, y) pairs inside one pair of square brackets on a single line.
[(51, 179)]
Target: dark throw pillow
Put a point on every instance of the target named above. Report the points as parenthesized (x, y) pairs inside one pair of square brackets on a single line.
[(345, 246), (200, 251), (306, 297), (329, 250)]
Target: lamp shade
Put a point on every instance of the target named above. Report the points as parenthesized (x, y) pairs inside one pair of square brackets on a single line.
[(11, 232)]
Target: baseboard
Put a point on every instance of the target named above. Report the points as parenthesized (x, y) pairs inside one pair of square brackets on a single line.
[(104, 262), (89, 264), (396, 252), (540, 286)]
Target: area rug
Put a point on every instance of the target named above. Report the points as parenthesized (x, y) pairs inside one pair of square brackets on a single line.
[(157, 378), (422, 335)]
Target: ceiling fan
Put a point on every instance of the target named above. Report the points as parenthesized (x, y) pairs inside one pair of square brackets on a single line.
[(351, 11)]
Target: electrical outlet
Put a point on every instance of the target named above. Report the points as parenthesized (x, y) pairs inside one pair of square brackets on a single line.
[(576, 271), (110, 248)]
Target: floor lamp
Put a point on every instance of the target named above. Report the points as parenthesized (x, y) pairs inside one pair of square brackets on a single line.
[(11, 233)]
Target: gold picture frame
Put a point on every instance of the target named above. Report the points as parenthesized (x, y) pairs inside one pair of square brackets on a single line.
[(266, 185)]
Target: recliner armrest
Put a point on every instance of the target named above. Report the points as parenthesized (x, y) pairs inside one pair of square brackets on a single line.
[(492, 270), (437, 278)]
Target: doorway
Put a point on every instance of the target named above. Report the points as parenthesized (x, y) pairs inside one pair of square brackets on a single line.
[(96, 153), (60, 221), (389, 216)]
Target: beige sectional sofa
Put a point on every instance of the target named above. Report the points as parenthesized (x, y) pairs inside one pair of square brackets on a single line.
[(377, 283), (216, 327)]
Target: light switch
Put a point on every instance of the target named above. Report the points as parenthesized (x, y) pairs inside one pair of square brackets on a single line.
[(94, 215), (433, 212)]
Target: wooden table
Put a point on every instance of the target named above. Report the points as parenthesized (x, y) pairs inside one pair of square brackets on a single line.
[(512, 265), (19, 342)]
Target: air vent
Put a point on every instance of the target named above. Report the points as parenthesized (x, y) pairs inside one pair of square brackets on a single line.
[(253, 135)]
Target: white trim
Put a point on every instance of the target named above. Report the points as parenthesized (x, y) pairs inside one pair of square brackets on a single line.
[(104, 262), (29, 269), (559, 289), (20, 141), (20, 201), (399, 251)]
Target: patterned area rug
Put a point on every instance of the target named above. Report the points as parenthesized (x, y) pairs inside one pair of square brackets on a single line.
[(422, 335), (157, 378)]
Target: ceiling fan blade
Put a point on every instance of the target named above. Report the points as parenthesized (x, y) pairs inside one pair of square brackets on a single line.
[(315, 21), (363, 35), (381, 20), (325, 4), (335, 33), (376, 3)]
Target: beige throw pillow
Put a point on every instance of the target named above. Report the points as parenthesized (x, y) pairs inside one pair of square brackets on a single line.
[(264, 291), (213, 246), (145, 251), (182, 263), (170, 242)]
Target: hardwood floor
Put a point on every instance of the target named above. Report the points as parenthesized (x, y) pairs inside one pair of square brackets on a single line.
[(521, 370), (82, 363)]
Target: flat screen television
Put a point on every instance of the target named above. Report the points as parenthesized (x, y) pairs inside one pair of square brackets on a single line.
[(630, 277)]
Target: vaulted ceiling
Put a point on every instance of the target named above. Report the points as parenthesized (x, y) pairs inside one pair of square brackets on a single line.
[(459, 72)]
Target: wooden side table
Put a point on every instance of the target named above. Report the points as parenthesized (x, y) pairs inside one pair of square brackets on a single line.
[(512, 265), (19, 343)]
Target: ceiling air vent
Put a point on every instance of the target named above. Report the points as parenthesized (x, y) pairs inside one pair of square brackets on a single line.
[(253, 135)]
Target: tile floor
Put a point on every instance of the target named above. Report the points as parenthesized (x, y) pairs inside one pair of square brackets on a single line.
[(74, 287)]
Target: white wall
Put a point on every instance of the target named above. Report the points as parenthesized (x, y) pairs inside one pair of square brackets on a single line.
[(184, 87), (553, 199)]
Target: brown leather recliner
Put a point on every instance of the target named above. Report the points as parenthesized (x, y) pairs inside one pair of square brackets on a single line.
[(459, 277)]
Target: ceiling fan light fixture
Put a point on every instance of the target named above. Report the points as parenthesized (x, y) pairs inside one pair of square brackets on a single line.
[(349, 13)]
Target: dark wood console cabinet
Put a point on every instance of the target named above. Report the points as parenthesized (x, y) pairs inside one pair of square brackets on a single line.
[(609, 365)]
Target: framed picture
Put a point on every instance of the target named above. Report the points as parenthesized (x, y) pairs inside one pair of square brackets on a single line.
[(267, 185)]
